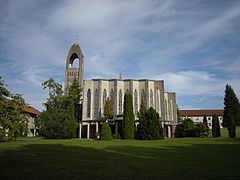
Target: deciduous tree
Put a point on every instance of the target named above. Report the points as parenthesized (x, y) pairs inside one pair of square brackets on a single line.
[(13, 122), (58, 120)]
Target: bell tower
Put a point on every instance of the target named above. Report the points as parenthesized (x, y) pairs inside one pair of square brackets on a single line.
[(71, 72)]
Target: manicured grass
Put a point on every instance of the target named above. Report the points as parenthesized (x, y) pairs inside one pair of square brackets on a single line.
[(186, 158), (34, 137)]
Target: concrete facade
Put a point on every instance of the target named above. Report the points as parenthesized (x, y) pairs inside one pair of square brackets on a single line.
[(96, 91)]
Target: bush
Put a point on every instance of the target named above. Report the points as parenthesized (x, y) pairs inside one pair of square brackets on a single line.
[(106, 133), (202, 130), (116, 136), (187, 128)]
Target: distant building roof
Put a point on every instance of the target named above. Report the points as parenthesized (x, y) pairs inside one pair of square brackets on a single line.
[(184, 113), (30, 109)]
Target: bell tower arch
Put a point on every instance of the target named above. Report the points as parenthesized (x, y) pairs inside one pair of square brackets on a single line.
[(72, 72)]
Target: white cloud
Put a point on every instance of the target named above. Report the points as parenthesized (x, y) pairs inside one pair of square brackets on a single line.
[(197, 83), (114, 37), (234, 65)]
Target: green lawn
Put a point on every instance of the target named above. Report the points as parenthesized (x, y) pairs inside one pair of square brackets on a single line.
[(186, 158)]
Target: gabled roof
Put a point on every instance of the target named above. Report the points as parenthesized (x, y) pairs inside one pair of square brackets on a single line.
[(184, 113), (30, 109)]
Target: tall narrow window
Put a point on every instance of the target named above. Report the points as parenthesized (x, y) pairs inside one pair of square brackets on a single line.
[(135, 102), (167, 112), (112, 97), (151, 98), (171, 110), (89, 103), (143, 96), (158, 102), (104, 97), (96, 104), (120, 102)]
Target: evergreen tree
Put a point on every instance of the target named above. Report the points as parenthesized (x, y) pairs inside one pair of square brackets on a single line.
[(141, 133), (106, 133), (75, 93), (231, 117), (108, 110), (205, 120), (128, 117), (152, 128), (58, 120), (215, 127), (231, 126)]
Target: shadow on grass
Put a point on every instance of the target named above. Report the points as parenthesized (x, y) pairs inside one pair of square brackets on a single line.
[(60, 161)]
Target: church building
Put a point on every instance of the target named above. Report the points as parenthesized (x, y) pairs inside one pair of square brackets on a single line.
[(96, 91)]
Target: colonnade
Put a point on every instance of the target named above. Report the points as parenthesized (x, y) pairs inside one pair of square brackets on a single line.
[(91, 129)]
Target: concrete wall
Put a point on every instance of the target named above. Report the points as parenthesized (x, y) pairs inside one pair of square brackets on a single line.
[(153, 96), (170, 106)]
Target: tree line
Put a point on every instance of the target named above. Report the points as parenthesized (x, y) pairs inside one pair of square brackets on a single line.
[(187, 128), (231, 119), (61, 116)]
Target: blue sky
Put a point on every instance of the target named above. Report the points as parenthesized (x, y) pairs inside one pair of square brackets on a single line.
[(193, 45)]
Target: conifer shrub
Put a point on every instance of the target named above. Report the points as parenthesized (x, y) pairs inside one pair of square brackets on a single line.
[(128, 117), (205, 120), (215, 127), (231, 126), (106, 133), (149, 124)]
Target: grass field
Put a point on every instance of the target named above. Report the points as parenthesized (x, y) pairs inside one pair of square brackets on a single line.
[(186, 158)]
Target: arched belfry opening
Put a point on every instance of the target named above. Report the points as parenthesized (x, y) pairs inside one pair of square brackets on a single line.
[(74, 66), (74, 61)]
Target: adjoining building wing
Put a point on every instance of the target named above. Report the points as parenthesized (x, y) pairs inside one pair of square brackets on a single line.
[(197, 115)]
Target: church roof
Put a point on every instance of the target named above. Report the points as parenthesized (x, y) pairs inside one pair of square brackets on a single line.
[(125, 80), (184, 113), (30, 109)]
